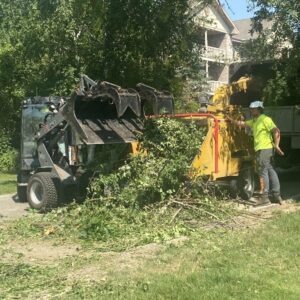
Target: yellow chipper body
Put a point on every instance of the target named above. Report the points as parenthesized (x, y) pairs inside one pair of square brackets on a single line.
[(226, 147)]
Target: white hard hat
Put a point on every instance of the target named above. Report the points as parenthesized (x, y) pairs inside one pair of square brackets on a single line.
[(256, 104)]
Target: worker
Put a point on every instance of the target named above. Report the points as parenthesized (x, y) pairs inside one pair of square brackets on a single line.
[(266, 142)]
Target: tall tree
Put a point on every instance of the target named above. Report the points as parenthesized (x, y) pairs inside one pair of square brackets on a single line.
[(46, 44), (44, 47), (145, 40), (280, 43)]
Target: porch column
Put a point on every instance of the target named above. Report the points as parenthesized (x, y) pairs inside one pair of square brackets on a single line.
[(206, 53)]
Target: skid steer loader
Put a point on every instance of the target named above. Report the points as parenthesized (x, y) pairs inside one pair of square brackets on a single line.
[(59, 136)]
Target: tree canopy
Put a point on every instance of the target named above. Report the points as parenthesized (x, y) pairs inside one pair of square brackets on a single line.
[(281, 44), (46, 44)]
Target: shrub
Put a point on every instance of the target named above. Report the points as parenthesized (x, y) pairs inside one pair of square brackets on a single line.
[(8, 155), (144, 179)]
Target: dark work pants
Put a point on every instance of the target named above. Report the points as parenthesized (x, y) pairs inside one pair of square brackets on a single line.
[(266, 171)]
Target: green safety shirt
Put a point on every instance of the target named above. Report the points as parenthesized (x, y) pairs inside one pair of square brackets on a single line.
[(262, 132)]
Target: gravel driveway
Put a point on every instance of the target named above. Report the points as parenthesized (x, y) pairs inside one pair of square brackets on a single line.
[(10, 208)]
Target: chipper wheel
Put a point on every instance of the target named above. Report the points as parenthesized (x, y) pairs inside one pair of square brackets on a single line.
[(244, 184), (42, 192)]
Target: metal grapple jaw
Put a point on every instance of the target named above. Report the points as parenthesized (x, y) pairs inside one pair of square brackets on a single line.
[(145, 100), (109, 93), (155, 102), (102, 112)]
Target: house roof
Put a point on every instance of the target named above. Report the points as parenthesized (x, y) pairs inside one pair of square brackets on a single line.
[(218, 6), (244, 26)]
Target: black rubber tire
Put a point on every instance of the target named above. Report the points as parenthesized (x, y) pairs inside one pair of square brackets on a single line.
[(246, 182), (233, 188), (22, 193), (42, 192)]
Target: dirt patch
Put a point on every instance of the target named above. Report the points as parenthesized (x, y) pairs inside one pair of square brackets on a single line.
[(112, 262), (38, 252), (46, 252), (125, 262), (252, 217)]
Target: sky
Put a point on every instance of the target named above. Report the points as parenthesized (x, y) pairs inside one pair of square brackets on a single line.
[(237, 9)]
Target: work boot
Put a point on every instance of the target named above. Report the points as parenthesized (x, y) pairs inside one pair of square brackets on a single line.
[(276, 198), (263, 200)]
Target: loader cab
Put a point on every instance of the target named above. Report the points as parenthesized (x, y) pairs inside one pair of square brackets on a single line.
[(35, 111), (32, 116)]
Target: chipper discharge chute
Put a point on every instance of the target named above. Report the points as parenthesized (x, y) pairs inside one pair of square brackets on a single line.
[(59, 136)]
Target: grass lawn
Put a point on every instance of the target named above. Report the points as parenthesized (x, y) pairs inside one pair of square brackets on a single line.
[(8, 183), (261, 262)]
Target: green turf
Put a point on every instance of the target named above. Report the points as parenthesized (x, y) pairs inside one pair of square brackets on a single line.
[(254, 263), (8, 183)]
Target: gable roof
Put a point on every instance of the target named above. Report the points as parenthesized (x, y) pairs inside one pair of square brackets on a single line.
[(244, 26), (219, 8), (216, 9)]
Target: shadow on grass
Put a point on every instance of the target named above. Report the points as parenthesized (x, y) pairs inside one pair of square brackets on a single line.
[(289, 181)]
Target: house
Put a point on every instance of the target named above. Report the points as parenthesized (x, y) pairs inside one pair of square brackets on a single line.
[(217, 38), (221, 38)]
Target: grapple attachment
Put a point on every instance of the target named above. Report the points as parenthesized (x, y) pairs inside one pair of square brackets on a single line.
[(154, 101), (102, 112), (122, 99), (105, 113)]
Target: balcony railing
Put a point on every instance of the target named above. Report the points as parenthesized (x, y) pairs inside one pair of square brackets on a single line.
[(214, 53), (236, 56)]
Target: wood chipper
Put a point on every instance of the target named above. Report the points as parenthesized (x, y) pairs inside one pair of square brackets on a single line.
[(226, 157), (59, 137)]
